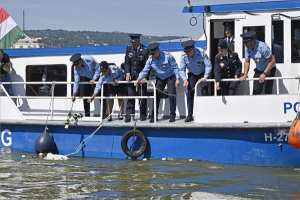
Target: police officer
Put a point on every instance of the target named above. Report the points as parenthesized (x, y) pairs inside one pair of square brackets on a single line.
[(227, 65), (109, 73), (229, 36), (264, 60), (199, 67), (166, 68), (89, 68), (6, 67), (135, 60)]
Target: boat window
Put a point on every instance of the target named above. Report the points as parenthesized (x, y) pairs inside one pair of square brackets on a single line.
[(277, 41), (46, 73), (295, 41), (260, 34)]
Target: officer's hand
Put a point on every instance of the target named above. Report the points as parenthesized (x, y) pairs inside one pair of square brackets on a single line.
[(116, 81), (203, 79), (136, 82), (91, 98), (73, 98), (128, 77), (243, 78), (177, 82), (92, 82), (262, 78), (185, 83), (218, 86), (144, 80)]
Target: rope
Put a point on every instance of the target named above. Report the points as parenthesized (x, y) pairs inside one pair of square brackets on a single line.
[(52, 93), (86, 140)]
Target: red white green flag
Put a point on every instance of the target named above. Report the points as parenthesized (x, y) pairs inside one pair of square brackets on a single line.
[(10, 33)]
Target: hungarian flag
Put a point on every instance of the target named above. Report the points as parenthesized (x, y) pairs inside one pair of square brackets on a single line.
[(10, 33)]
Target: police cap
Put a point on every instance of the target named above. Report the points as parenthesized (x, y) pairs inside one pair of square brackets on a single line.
[(103, 66), (134, 37), (248, 35), (153, 47), (228, 25), (75, 58), (188, 45), (222, 44)]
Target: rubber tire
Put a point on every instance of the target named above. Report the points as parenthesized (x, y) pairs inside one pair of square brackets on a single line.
[(127, 136)]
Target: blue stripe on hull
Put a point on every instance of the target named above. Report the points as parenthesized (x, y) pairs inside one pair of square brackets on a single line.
[(251, 146)]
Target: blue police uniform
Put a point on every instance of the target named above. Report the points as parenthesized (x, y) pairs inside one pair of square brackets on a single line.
[(259, 54), (114, 73), (198, 67), (135, 60), (227, 67), (167, 72), (4, 76), (90, 70)]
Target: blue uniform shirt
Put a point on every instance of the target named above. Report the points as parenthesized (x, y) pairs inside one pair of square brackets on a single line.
[(196, 65), (114, 73), (164, 66), (90, 69), (259, 54)]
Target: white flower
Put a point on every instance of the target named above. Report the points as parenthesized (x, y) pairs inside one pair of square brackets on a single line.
[(66, 126)]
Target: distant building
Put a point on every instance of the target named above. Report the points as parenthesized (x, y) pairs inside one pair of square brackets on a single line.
[(28, 43)]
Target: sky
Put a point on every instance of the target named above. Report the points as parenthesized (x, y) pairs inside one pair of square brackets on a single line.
[(149, 17)]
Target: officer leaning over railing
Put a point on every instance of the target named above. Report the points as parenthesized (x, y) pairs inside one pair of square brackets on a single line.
[(264, 60), (89, 68), (135, 60), (166, 68), (199, 67), (109, 73), (6, 67), (227, 66)]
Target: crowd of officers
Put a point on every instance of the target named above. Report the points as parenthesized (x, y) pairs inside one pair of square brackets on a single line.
[(140, 60)]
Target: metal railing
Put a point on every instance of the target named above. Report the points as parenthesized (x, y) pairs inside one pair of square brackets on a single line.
[(84, 97), (248, 79)]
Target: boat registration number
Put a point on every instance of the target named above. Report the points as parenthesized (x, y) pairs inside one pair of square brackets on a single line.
[(279, 137)]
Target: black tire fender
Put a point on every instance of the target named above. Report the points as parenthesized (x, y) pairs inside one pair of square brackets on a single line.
[(127, 136)]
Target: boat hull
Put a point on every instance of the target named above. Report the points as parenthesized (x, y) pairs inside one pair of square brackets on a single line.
[(257, 145)]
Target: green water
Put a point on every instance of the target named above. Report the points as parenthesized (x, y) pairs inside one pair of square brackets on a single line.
[(31, 177)]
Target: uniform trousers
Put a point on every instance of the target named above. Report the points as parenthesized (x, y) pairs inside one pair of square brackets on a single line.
[(228, 88), (160, 85), (88, 90), (257, 87), (133, 91), (193, 79)]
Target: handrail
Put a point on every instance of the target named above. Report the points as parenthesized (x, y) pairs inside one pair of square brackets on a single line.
[(248, 79)]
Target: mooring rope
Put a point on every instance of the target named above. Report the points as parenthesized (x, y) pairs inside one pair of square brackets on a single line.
[(51, 102)]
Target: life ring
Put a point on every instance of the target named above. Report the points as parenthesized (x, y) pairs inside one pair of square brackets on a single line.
[(141, 150)]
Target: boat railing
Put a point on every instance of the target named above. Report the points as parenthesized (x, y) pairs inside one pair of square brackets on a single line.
[(52, 97), (248, 79)]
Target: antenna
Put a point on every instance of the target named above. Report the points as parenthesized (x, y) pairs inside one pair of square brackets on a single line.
[(23, 20), (189, 5)]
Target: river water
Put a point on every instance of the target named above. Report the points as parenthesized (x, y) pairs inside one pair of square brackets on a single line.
[(23, 175)]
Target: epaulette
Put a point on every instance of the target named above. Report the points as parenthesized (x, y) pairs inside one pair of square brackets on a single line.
[(259, 47), (150, 56), (201, 50), (129, 45), (115, 67), (88, 60), (167, 53), (183, 53)]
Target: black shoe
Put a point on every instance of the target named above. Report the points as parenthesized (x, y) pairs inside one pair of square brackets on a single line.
[(143, 118), (151, 120), (172, 119), (127, 119), (109, 119), (189, 118)]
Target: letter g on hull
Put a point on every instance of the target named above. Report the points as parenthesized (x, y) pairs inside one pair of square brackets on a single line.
[(6, 140)]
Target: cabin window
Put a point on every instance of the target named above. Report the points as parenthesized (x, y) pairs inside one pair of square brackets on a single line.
[(260, 34), (295, 41), (277, 41), (38, 73)]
